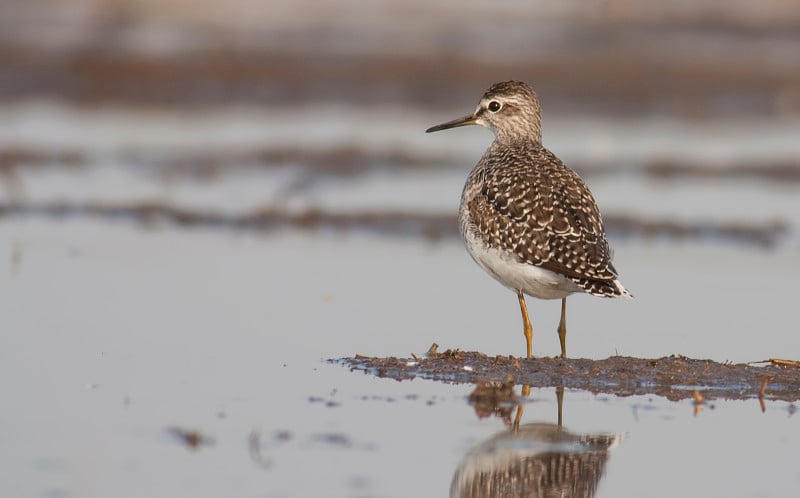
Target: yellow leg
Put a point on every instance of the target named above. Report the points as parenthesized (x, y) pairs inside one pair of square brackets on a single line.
[(560, 400), (562, 328), (526, 323), (524, 393)]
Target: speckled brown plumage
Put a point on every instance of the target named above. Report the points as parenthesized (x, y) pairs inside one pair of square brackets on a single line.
[(520, 198), (538, 460), (526, 218)]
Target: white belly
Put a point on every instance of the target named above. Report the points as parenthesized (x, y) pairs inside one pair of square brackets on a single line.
[(532, 280)]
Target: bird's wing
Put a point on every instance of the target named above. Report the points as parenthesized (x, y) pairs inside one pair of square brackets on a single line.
[(548, 216)]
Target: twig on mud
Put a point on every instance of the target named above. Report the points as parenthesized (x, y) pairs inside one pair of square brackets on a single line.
[(778, 362)]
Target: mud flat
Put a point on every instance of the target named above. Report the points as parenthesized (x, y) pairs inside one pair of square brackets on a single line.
[(673, 377)]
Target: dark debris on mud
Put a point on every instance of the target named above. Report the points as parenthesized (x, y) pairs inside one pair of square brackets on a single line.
[(673, 377), (190, 438)]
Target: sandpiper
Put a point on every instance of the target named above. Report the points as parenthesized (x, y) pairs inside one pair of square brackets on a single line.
[(527, 219)]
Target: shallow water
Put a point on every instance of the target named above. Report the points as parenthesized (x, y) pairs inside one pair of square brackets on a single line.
[(159, 338), (142, 357), (114, 335)]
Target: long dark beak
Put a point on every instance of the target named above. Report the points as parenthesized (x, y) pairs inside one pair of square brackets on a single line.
[(466, 120)]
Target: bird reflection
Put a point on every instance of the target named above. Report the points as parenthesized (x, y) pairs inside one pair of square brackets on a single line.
[(534, 460)]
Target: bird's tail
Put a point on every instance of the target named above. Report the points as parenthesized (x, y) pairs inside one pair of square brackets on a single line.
[(603, 288)]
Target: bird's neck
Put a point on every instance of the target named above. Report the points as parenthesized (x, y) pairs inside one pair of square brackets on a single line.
[(531, 132), (515, 140)]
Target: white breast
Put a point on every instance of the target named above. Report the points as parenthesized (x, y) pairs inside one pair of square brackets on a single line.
[(532, 280)]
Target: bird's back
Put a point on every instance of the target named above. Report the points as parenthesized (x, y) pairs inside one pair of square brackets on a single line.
[(522, 200)]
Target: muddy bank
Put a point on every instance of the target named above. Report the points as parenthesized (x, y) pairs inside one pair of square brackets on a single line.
[(392, 223), (609, 83), (689, 62), (673, 377), (353, 159)]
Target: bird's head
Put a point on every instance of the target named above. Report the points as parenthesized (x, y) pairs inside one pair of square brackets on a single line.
[(510, 109)]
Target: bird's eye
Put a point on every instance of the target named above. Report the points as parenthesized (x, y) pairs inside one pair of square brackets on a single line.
[(494, 106)]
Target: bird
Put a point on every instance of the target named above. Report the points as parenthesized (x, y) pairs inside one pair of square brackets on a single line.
[(535, 460), (525, 217)]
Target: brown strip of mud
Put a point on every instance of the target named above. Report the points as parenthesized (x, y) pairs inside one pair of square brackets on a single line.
[(604, 81), (352, 159), (673, 377), (395, 223)]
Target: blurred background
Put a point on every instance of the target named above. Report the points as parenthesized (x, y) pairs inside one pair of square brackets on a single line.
[(683, 117), (202, 201)]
